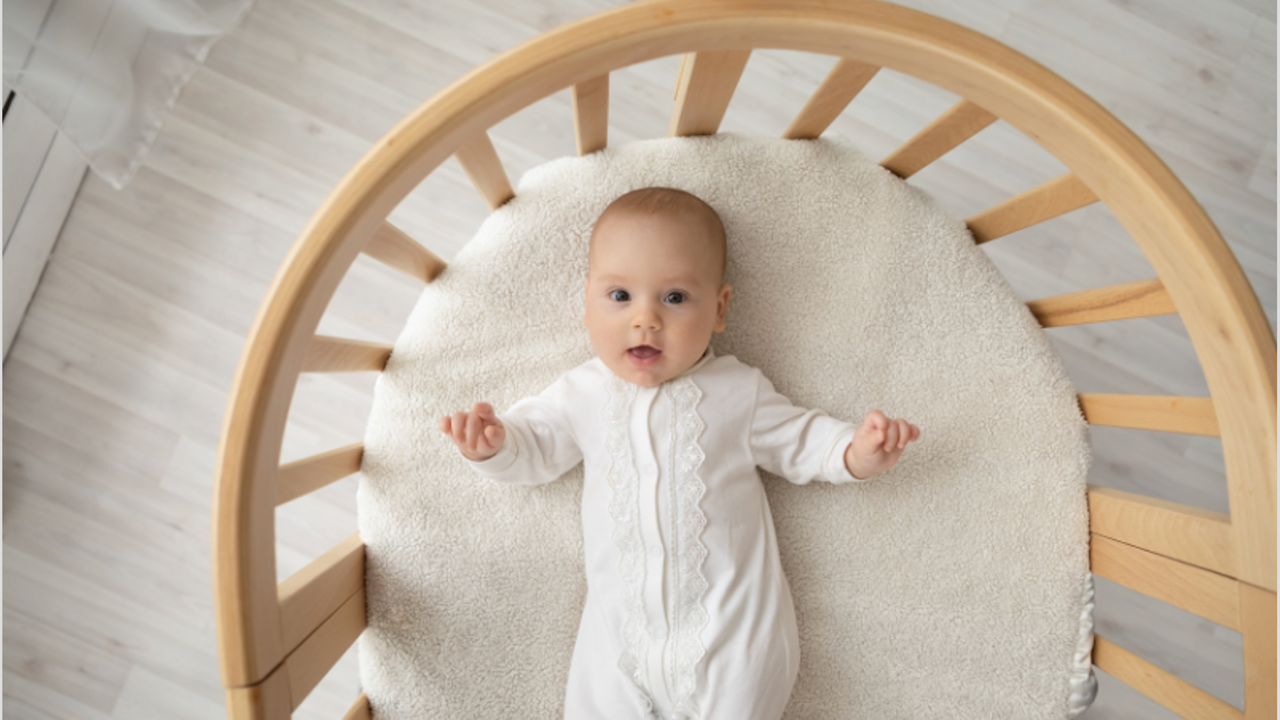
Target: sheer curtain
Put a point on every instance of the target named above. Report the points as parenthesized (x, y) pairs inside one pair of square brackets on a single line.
[(106, 72)]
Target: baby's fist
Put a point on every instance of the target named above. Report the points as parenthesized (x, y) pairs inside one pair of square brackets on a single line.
[(878, 444), (479, 434)]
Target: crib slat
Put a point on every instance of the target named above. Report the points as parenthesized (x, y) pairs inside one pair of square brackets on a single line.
[(360, 709), (313, 659), (391, 246), (840, 87), (307, 475), (961, 122), (1143, 298), (314, 593), (480, 161), (1156, 683), (1166, 413), (591, 114), (706, 84), (1212, 596), (1198, 537), (1258, 616), (1056, 197), (332, 355)]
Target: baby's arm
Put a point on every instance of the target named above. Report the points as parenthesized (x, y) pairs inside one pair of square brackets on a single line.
[(878, 444), (479, 434), (529, 444)]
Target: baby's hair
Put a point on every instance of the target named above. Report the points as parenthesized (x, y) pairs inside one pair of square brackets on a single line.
[(668, 201)]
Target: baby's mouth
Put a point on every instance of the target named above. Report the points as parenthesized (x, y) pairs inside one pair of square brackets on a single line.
[(644, 354)]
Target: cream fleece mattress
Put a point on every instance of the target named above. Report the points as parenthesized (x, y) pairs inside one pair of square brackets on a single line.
[(954, 586)]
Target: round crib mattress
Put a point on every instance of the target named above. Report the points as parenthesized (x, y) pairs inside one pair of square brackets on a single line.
[(956, 585)]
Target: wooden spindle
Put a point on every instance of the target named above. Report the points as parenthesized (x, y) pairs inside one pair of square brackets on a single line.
[(591, 114), (1143, 298), (480, 161), (310, 596), (392, 247), (1192, 535), (840, 87), (1207, 594), (1056, 197), (961, 122), (1258, 626), (707, 81), (332, 355), (307, 665), (1166, 413), (300, 477), (1160, 685)]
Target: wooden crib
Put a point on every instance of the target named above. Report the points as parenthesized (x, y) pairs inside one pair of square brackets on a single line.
[(277, 642)]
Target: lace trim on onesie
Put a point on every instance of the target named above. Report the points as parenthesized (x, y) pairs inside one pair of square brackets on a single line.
[(689, 616), (624, 508)]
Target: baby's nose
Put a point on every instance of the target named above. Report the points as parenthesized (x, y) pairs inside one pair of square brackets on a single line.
[(646, 318)]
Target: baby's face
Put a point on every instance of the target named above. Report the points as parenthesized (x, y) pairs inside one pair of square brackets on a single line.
[(654, 296)]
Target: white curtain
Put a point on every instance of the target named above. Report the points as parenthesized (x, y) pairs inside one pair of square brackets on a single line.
[(106, 72)]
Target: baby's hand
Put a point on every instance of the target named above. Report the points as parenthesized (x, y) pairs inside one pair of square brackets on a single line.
[(878, 444), (478, 434)]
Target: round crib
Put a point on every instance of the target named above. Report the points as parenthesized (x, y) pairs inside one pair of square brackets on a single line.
[(277, 642)]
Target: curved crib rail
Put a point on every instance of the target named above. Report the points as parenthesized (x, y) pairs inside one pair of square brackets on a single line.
[(277, 642)]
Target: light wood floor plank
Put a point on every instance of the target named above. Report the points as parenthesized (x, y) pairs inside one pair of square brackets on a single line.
[(232, 173), (114, 563), (268, 56), (177, 335), (1210, 26), (28, 700), (1157, 112), (40, 465), (1119, 37), (345, 35), (62, 663), (53, 596), (41, 401), (176, 211), (134, 381), (147, 695), (157, 265), (189, 476), (1263, 181), (270, 128)]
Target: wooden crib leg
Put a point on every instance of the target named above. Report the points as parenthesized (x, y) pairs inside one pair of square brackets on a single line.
[(1258, 625), (268, 700), (359, 710)]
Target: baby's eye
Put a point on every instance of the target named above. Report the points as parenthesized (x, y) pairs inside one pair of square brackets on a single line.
[(675, 298), (619, 296)]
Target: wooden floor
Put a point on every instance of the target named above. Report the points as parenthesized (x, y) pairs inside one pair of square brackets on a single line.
[(116, 385)]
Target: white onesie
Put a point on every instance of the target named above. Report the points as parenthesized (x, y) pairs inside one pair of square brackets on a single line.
[(688, 614)]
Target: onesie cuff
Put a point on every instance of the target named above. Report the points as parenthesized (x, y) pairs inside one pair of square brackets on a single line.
[(503, 460), (833, 467)]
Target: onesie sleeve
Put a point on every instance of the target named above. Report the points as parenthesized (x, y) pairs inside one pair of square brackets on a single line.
[(798, 444), (540, 444)]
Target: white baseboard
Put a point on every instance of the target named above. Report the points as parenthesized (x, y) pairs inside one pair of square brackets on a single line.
[(39, 196)]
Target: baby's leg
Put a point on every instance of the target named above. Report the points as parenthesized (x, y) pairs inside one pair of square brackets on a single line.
[(750, 676), (597, 688)]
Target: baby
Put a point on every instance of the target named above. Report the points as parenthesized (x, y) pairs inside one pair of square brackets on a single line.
[(688, 614)]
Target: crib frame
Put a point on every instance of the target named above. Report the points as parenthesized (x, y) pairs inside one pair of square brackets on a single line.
[(277, 642)]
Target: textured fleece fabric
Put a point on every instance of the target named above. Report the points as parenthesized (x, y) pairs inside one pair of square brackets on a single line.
[(950, 587)]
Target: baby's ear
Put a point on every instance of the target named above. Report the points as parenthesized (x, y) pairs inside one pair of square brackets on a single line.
[(722, 306)]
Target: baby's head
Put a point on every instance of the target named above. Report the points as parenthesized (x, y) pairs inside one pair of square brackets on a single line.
[(655, 291)]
